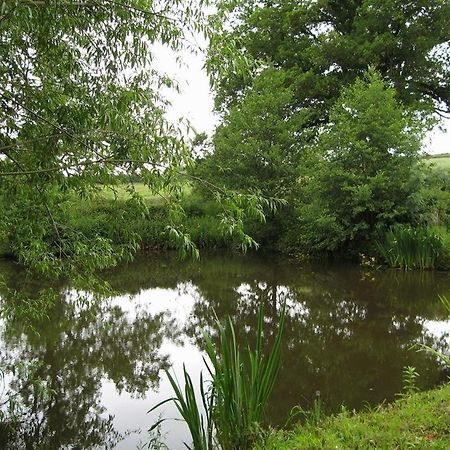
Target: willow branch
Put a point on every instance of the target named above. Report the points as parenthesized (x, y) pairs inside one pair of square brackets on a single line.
[(47, 208)]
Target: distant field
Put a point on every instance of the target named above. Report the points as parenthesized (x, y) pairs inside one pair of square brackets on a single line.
[(151, 199), (121, 192), (440, 162)]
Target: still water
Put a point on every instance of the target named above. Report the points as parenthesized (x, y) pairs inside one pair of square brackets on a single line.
[(85, 375)]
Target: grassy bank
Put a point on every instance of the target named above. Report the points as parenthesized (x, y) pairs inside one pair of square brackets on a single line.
[(111, 215), (440, 161), (419, 421)]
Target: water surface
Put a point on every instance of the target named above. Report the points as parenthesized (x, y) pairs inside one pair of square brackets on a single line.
[(99, 364)]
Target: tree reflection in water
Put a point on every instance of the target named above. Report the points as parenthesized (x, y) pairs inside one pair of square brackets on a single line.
[(348, 334), (82, 342)]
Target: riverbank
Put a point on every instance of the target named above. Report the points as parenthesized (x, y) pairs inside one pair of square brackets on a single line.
[(112, 216), (421, 420)]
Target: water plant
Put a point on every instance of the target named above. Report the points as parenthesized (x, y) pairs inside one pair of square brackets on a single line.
[(408, 248), (232, 403), (410, 376)]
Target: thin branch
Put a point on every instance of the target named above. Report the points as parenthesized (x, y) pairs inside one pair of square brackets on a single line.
[(97, 4), (19, 143), (58, 127), (143, 11)]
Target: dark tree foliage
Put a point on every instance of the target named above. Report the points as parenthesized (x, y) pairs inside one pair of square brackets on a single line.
[(299, 58), (323, 45)]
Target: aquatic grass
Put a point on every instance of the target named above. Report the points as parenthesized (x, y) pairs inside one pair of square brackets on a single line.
[(235, 399), (409, 248), (242, 387), (200, 425)]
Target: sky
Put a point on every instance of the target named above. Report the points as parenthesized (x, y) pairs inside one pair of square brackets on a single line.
[(195, 101)]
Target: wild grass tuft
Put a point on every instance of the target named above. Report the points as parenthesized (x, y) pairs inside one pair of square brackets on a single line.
[(234, 400), (408, 248)]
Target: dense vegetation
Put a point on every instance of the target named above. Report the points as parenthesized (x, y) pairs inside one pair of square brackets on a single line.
[(330, 115), (324, 106), (81, 105)]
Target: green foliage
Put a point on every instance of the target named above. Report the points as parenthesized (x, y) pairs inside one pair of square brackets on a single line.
[(322, 46), (256, 146), (435, 196), (200, 426), (440, 162), (362, 173), (407, 248), (417, 421), (296, 113), (239, 390), (242, 388), (410, 376), (82, 112), (81, 104), (202, 225)]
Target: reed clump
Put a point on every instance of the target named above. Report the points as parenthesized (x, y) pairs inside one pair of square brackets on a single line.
[(407, 247), (230, 408)]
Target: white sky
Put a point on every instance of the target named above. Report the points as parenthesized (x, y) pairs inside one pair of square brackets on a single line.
[(195, 102)]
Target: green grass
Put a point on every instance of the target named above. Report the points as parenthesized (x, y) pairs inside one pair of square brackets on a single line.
[(440, 161), (121, 193), (407, 247), (419, 421)]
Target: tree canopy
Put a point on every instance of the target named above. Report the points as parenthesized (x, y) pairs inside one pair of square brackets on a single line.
[(323, 45), (81, 104), (283, 117), (363, 173)]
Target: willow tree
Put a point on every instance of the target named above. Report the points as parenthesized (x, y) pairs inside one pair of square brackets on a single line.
[(80, 104)]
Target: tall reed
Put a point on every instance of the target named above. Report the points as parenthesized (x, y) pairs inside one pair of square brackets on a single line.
[(242, 386), (235, 399), (408, 248)]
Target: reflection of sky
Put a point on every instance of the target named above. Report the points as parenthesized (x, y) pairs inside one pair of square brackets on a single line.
[(131, 413), (177, 304), (438, 328)]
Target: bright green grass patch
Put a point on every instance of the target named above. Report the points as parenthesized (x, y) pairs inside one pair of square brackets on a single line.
[(122, 192), (440, 162), (419, 421)]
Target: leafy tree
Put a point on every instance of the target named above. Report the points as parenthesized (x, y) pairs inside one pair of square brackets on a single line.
[(322, 45), (304, 53), (256, 145), (80, 104), (364, 173)]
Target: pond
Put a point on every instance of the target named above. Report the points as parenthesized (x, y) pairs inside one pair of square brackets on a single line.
[(99, 364)]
